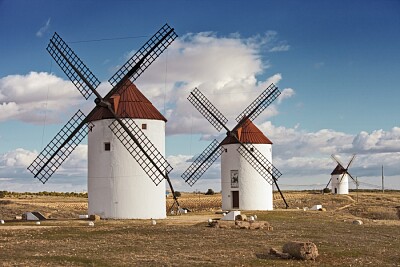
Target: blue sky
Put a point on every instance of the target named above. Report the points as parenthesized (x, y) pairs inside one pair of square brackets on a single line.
[(337, 62)]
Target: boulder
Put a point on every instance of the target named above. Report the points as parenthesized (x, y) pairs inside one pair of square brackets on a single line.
[(301, 250)]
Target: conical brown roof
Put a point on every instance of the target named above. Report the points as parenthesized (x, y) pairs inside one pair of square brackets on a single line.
[(338, 170), (247, 132), (127, 102)]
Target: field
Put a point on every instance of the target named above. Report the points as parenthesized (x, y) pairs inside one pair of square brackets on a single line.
[(186, 240)]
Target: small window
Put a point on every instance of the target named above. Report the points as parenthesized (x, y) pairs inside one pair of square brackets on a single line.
[(144, 126), (226, 150), (107, 146)]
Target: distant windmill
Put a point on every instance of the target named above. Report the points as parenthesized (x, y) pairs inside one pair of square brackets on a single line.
[(247, 174), (340, 177), (118, 171)]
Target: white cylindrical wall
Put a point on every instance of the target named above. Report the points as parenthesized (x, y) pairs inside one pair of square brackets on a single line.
[(255, 193), (340, 187), (117, 186)]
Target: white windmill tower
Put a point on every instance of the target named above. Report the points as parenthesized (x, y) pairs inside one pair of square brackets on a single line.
[(247, 174), (340, 177), (115, 179), (126, 143), (242, 186)]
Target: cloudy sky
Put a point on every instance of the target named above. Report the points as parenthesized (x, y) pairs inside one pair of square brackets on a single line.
[(337, 64)]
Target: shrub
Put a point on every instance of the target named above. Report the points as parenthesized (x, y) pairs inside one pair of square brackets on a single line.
[(326, 190), (177, 194), (3, 194), (209, 192)]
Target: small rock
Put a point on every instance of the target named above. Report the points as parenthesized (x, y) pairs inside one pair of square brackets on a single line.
[(1, 221), (357, 222), (153, 222), (37, 223), (91, 224)]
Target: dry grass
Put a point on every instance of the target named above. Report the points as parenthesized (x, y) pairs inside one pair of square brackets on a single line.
[(186, 241)]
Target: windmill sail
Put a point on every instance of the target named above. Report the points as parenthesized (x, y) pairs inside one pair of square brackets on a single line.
[(59, 148)]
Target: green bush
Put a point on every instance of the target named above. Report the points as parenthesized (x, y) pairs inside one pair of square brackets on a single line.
[(3, 194), (177, 194), (326, 190), (210, 192)]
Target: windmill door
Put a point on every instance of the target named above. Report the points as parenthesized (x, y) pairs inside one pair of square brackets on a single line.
[(235, 199)]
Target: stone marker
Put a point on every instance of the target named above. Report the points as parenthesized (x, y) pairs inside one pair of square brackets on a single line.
[(301, 250)]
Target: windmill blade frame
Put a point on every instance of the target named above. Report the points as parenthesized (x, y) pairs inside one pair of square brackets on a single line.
[(260, 163), (207, 109), (337, 161), (143, 58), (351, 161), (202, 163), (260, 103), (153, 163), (79, 74), (59, 148), (330, 179), (86, 83), (354, 180), (341, 178)]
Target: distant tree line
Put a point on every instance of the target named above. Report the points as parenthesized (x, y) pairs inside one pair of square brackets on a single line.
[(43, 193)]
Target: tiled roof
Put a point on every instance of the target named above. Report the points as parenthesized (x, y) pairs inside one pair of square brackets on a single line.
[(247, 132), (127, 102)]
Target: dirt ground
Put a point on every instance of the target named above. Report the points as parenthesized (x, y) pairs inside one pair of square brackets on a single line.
[(187, 241)]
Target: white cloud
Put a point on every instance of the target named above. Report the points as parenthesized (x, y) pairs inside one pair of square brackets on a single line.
[(33, 96), (224, 69), (44, 28), (71, 176), (18, 158), (269, 41), (280, 48), (301, 155), (378, 141), (286, 93), (304, 157)]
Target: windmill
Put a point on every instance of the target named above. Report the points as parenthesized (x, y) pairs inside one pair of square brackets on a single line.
[(115, 172), (246, 170), (340, 176)]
